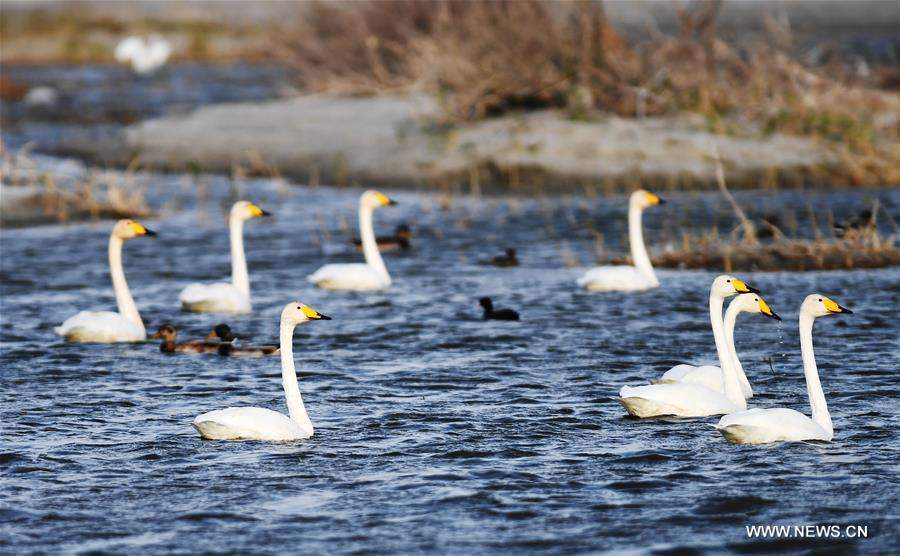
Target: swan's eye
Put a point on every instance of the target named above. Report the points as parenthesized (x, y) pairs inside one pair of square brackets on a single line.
[(820, 299), (299, 309), (729, 281)]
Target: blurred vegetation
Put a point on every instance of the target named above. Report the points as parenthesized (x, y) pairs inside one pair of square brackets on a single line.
[(79, 34), (484, 59)]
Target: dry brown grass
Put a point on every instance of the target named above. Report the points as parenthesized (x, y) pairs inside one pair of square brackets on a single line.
[(491, 57), (34, 195), (788, 255), (482, 59)]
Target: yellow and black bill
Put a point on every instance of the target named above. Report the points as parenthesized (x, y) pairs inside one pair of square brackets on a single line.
[(833, 308), (766, 310), (312, 314), (742, 287), (141, 230), (255, 210), (384, 199), (654, 199)]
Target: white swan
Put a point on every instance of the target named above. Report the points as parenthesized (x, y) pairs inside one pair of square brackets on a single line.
[(371, 275), (222, 297), (257, 423), (709, 375), (694, 400), (106, 326), (628, 278), (760, 426), (145, 56)]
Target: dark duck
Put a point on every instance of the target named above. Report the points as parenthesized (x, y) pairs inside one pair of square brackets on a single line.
[(496, 314), (506, 260), (168, 335), (229, 347), (398, 241)]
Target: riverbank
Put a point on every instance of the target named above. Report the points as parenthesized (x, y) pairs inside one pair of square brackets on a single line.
[(37, 190), (399, 141)]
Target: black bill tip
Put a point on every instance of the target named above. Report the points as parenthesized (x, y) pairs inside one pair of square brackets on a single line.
[(149, 232), (323, 317), (845, 310), (774, 316)]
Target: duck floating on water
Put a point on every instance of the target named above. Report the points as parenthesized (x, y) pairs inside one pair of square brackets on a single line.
[(499, 314), (168, 334), (230, 347), (398, 241), (506, 260)]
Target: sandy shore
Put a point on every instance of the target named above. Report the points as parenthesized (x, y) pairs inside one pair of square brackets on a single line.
[(396, 140)]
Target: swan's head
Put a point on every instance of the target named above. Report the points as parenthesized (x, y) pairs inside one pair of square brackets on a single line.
[(130, 229), (245, 210), (726, 286), (486, 303), (373, 199), (222, 332), (296, 313), (166, 332), (817, 305), (643, 199), (753, 303)]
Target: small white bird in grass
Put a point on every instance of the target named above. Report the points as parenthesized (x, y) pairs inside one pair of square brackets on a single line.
[(145, 55)]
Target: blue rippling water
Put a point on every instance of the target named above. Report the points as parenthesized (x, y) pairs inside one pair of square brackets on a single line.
[(436, 431)]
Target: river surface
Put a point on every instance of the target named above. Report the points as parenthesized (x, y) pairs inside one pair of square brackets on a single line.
[(435, 431)]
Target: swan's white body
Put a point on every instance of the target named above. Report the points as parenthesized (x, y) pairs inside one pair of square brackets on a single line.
[(371, 275), (145, 56), (627, 278), (257, 423), (762, 426), (694, 400), (711, 376), (222, 297), (107, 326)]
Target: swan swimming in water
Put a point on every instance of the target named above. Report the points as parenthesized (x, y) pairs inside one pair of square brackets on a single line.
[(694, 400), (222, 297), (105, 326), (708, 375), (257, 423), (761, 426), (628, 278), (371, 275), (145, 56)]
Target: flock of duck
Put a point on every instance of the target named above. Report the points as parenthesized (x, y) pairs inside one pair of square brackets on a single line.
[(684, 390)]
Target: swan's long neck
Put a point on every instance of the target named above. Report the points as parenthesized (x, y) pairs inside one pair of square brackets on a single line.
[(289, 380), (369, 245), (813, 387), (124, 301), (240, 279), (718, 328), (636, 239), (725, 347), (729, 372)]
